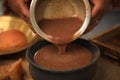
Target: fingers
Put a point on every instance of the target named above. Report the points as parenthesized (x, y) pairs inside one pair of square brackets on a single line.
[(23, 12), (98, 11), (98, 7)]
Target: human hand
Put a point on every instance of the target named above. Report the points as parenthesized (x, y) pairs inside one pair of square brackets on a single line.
[(21, 8), (99, 8)]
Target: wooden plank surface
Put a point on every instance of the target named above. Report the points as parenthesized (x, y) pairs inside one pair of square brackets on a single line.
[(109, 39)]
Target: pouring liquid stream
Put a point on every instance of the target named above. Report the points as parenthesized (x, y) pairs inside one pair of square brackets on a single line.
[(61, 30), (60, 22), (62, 54)]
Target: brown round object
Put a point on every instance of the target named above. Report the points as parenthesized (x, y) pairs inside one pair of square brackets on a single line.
[(12, 39)]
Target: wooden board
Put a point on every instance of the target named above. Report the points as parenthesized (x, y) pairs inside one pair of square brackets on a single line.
[(109, 42)]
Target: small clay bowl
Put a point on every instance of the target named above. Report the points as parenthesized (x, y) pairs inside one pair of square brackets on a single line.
[(86, 72)]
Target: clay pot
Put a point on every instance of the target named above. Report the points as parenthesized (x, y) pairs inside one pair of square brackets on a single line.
[(86, 72)]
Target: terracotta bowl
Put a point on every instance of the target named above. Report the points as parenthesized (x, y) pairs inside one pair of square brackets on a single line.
[(86, 72)]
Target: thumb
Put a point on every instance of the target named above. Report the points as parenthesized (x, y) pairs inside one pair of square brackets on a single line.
[(95, 10)]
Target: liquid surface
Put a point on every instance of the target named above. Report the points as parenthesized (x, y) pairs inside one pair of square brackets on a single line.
[(74, 57)]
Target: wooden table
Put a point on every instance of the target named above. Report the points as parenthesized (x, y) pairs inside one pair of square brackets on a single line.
[(106, 70)]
